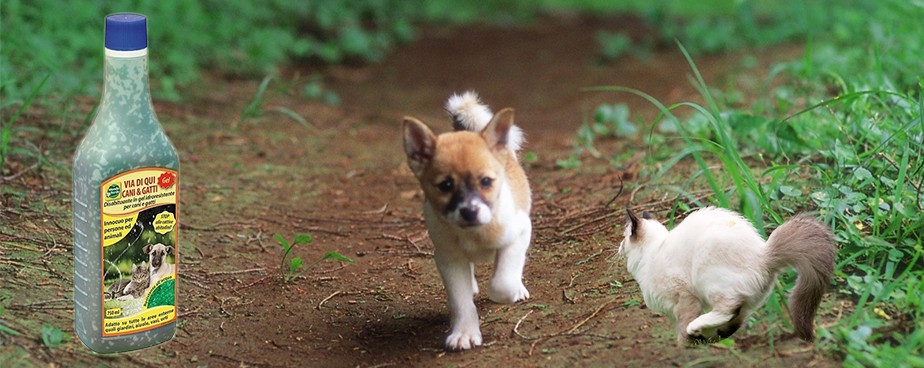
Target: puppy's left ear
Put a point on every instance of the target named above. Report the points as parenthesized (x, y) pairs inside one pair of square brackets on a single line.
[(169, 249), (501, 133), (419, 144)]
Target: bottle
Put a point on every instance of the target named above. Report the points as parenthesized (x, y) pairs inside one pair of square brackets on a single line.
[(125, 191)]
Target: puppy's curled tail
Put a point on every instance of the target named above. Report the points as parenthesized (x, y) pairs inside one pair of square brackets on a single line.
[(808, 246), (467, 112), (470, 114)]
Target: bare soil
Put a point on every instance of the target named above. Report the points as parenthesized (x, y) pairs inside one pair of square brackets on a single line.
[(344, 180)]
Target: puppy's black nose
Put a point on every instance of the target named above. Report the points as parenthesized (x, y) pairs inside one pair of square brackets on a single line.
[(469, 214)]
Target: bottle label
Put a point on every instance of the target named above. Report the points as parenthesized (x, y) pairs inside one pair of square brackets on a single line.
[(139, 232)]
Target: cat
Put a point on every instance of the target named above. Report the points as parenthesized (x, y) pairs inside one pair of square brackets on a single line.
[(716, 261), (135, 287)]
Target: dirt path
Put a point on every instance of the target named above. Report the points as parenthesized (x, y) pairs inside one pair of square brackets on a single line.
[(345, 182)]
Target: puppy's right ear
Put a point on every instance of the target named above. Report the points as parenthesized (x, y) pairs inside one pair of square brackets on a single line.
[(146, 249), (634, 223), (419, 144)]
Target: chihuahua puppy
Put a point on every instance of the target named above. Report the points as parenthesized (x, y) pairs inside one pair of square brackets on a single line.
[(476, 204)]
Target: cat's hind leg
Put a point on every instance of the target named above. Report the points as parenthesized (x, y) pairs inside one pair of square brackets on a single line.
[(735, 323), (685, 310), (719, 318)]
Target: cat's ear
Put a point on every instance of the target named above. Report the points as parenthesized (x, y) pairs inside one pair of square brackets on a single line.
[(134, 268), (634, 222)]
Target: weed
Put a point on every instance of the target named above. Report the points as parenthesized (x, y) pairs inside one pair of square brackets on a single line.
[(52, 336), (294, 267), (6, 131), (255, 107)]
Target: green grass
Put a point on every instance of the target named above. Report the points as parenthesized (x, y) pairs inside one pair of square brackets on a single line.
[(841, 133)]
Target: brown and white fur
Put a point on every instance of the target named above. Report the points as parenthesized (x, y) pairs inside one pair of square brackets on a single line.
[(157, 256), (476, 205), (716, 261)]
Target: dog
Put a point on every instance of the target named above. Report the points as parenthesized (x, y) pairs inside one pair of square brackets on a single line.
[(476, 204), (157, 259)]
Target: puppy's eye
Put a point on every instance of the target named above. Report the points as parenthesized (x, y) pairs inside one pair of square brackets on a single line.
[(486, 182), (445, 186)]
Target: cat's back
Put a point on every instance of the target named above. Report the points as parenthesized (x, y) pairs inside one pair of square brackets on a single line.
[(714, 227)]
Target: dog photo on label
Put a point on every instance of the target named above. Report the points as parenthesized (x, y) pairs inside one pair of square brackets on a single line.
[(713, 269), (476, 205)]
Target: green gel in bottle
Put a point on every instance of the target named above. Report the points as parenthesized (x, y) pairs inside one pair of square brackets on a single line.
[(125, 207)]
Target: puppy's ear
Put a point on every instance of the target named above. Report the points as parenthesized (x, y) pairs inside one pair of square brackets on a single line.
[(419, 144), (646, 215), (146, 249), (501, 133), (169, 248), (634, 223)]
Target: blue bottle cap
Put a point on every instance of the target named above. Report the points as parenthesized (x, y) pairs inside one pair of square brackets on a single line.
[(126, 32)]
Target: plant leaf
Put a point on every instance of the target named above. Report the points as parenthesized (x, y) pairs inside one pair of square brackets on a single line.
[(51, 336), (337, 257), (8, 331), (295, 264), (303, 239), (282, 241)]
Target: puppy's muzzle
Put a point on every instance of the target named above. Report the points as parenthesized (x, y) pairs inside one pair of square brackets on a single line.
[(469, 215)]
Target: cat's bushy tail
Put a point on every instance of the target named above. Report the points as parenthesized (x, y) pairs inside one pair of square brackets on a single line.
[(808, 246)]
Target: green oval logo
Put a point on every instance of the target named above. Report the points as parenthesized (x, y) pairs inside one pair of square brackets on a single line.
[(113, 191)]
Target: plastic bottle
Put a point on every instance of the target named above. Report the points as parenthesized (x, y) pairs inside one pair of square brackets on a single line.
[(125, 207)]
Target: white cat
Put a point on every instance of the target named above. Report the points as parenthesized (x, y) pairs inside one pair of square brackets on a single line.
[(716, 261)]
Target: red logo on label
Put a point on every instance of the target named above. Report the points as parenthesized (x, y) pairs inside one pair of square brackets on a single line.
[(166, 180)]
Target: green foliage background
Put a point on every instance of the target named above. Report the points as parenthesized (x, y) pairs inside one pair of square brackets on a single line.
[(839, 130)]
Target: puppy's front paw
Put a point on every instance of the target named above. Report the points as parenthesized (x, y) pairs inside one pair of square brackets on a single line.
[(463, 339), (507, 293)]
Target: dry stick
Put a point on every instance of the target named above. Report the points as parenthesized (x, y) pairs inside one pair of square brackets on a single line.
[(600, 218), (594, 314), (568, 332), (895, 165), (262, 279), (261, 269), (260, 240), (328, 298), (321, 272), (194, 282), (517, 326), (189, 312), (40, 303), (16, 175), (406, 238), (378, 211), (241, 362)]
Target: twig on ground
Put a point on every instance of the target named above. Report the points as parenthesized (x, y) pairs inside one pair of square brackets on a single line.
[(40, 305), (338, 292), (16, 175), (571, 331), (235, 272), (517, 326)]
